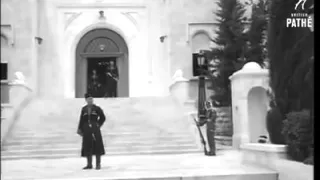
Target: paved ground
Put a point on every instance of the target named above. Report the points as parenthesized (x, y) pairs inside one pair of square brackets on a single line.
[(129, 167)]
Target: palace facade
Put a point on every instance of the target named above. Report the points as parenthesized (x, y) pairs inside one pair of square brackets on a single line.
[(55, 43)]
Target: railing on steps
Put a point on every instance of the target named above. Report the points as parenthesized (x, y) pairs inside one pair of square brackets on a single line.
[(18, 96)]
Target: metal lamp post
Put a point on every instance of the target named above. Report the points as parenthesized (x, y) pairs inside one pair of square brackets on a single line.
[(201, 88)]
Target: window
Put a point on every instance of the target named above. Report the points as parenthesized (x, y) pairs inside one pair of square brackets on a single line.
[(200, 41), (4, 71)]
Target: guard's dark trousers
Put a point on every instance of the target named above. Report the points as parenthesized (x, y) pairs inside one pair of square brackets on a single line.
[(89, 162)]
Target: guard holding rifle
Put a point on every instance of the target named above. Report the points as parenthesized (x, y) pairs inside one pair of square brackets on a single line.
[(112, 80), (209, 121), (91, 120)]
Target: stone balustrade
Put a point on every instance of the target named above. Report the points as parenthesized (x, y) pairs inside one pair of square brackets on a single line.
[(16, 96), (186, 90)]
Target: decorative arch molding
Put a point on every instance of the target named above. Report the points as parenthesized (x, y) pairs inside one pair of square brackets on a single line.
[(101, 45), (200, 41), (133, 17), (195, 28), (86, 22), (113, 46), (69, 17), (201, 31)]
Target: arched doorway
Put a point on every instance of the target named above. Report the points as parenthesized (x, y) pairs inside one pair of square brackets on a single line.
[(257, 112), (96, 50)]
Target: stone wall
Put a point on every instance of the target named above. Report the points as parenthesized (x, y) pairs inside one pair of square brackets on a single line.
[(180, 15), (17, 15), (168, 18), (176, 20), (224, 122)]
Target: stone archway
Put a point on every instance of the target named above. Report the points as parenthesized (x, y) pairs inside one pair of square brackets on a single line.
[(114, 46), (249, 103), (200, 41), (257, 112)]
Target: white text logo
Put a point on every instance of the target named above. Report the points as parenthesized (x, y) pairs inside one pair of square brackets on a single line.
[(299, 20)]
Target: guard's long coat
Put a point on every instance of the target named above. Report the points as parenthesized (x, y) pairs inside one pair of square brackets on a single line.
[(91, 145)]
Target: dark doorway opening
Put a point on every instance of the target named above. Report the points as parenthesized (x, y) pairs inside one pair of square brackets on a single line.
[(4, 71), (98, 82)]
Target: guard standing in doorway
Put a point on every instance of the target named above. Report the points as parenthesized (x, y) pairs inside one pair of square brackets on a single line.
[(112, 80), (91, 120)]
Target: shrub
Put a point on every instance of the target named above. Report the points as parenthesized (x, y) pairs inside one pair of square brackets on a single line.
[(274, 125), (298, 134), (309, 160)]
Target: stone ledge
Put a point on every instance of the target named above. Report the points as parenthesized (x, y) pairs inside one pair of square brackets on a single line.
[(6, 105), (224, 166), (264, 147), (264, 155), (196, 78), (274, 157)]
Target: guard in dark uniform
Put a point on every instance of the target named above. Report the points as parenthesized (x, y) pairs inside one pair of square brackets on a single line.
[(211, 126), (112, 76), (208, 126), (91, 120)]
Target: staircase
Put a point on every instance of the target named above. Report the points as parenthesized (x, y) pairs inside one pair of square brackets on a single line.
[(150, 125)]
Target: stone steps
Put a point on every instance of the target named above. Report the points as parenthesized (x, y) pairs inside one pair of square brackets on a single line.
[(76, 150), (133, 126), (69, 154), (133, 141), (108, 146), (225, 166), (74, 137), (63, 152)]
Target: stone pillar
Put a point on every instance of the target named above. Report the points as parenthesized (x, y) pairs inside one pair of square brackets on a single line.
[(180, 87), (247, 80), (34, 45)]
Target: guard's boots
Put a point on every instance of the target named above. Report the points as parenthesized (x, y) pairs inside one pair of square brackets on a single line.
[(98, 162), (89, 163)]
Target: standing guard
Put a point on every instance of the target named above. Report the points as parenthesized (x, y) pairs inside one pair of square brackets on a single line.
[(211, 127), (208, 126), (112, 80), (91, 120)]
